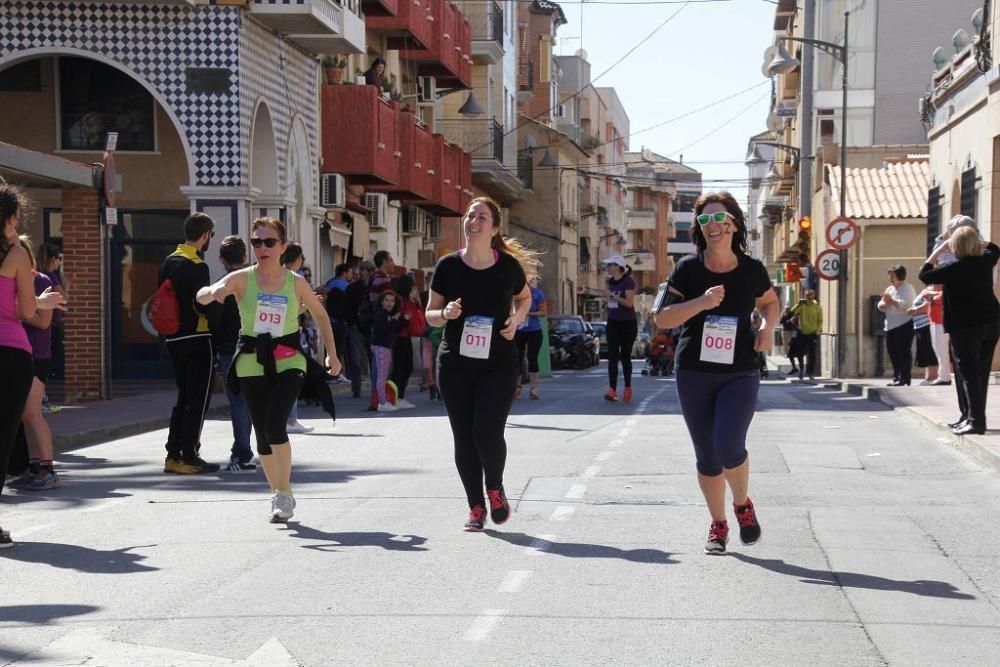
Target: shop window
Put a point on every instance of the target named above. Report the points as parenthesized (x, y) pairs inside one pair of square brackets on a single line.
[(22, 78), (95, 99)]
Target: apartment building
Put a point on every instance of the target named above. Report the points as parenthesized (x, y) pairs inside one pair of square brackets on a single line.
[(649, 217), (215, 109)]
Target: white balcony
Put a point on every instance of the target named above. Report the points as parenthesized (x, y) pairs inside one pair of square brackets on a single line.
[(638, 219), (318, 26)]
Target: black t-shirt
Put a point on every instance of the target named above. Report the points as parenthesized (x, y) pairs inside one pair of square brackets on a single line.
[(486, 292), (969, 300), (744, 285)]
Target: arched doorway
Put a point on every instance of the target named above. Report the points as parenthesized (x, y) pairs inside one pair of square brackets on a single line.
[(264, 164)]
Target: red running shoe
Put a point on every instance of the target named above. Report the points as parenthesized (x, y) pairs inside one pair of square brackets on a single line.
[(627, 396), (611, 396), (477, 519), (718, 537), (747, 517), (499, 507)]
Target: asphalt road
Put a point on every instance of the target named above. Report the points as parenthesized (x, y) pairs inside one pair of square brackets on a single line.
[(879, 546)]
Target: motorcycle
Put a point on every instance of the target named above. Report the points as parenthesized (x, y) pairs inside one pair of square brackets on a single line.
[(572, 350)]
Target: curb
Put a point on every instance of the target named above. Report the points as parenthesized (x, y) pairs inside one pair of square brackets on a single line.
[(969, 444)]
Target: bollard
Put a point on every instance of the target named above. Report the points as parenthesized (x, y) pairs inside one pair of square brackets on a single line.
[(544, 358)]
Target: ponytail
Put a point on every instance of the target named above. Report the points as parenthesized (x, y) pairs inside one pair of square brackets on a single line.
[(527, 258)]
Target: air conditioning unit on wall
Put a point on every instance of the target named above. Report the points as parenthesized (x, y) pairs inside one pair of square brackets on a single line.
[(333, 191), (414, 221), (426, 90), (379, 213)]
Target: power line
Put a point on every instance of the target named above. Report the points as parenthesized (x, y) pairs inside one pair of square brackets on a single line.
[(705, 136)]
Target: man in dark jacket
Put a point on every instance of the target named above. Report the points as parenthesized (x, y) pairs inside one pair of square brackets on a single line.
[(190, 348), (355, 301), (233, 255)]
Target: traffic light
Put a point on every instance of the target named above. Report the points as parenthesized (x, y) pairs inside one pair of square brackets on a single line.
[(805, 224), (804, 243)]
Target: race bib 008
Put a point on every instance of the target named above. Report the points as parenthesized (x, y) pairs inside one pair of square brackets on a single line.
[(718, 339)]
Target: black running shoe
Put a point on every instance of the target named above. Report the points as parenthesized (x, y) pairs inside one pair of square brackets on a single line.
[(718, 537), (477, 519), (201, 464), (499, 507), (747, 518)]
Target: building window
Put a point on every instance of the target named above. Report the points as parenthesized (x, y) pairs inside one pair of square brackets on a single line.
[(22, 78), (95, 99), (545, 58)]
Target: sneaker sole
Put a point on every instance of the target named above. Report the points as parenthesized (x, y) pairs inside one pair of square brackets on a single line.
[(474, 529), (715, 553), (277, 519)]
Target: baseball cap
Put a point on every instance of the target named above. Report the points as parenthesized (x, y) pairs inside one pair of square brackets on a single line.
[(615, 259)]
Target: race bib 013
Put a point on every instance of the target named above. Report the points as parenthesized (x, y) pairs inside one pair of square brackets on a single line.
[(718, 339), (272, 310)]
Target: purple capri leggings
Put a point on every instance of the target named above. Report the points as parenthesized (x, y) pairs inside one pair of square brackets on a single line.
[(718, 409)]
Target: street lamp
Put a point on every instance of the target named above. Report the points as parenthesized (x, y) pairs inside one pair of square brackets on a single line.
[(784, 63)]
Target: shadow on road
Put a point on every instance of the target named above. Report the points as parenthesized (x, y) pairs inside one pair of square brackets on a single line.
[(42, 614), (924, 587), (387, 541), (580, 550), (81, 559)]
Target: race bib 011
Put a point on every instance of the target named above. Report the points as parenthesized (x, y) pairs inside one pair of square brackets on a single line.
[(718, 339), (477, 335)]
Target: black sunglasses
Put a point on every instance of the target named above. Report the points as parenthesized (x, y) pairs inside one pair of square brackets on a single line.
[(270, 243)]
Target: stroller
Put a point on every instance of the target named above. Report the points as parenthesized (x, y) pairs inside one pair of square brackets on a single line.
[(660, 359)]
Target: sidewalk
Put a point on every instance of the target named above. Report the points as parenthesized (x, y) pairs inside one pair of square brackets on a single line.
[(936, 406)]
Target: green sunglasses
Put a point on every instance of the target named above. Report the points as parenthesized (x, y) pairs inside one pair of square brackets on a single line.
[(718, 216)]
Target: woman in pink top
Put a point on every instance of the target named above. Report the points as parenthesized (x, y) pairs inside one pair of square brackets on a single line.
[(17, 302)]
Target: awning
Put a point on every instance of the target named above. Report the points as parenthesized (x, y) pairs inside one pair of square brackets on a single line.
[(339, 235)]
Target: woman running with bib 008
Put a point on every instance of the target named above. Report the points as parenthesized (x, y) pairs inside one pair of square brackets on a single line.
[(480, 295), (269, 366), (711, 296)]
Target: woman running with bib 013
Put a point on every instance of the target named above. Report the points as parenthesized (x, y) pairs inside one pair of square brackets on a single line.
[(269, 366), (480, 295), (711, 296)]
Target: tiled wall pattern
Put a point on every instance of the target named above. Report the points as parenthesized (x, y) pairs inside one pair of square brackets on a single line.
[(155, 44)]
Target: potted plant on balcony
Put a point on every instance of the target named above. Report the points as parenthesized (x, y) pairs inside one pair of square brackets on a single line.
[(334, 66)]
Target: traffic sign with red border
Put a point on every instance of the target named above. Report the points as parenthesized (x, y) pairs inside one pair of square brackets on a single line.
[(828, 264), (841, 233)]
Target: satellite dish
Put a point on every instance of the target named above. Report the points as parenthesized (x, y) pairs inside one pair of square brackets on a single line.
[(775, 123), (940, 58), (769, 54), (960, 40), (977, 20)]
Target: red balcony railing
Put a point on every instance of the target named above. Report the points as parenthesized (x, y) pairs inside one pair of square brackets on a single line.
[(451, 44), (359, 135), (411, 28), (446, 198), (413, 142)]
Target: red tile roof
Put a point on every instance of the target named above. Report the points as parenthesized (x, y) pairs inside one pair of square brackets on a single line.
[(896, 190)]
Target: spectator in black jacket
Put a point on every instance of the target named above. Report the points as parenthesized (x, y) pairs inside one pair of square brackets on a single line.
[(356, 299), (971, 319), (336, 297), (233, 254), (190, 348)]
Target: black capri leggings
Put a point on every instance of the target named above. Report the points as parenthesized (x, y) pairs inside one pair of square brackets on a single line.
[(621, 338), (18, 376), (532, 342), (478, 402), (718, 409), (270, 402)]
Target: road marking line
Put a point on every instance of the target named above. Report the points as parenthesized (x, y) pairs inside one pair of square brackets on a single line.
[(540, 545), (591, 471), (514, 581), (484, 624), (616, 442), (604, 456), (107, 505), (576, 491), (31, 531), (562, 513)]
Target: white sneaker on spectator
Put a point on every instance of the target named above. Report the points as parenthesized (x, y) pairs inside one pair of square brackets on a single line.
[(386, 407), (297, 427), (403, 404)]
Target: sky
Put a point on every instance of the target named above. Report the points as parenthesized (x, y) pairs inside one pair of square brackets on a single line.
[(706, 52)]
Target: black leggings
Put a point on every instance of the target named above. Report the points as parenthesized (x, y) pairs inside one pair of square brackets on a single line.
[(270, 402), (532, 342), (621, 338), (478, 402), (402, 364), (718, 409), (14, 390)]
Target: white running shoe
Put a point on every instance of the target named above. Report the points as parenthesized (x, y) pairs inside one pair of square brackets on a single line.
[(282, 507), (297, 427), (386, 407), (403, 404)]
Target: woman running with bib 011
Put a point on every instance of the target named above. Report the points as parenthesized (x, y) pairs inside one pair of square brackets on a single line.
[(480, 295), (269, 366), (711, 296)]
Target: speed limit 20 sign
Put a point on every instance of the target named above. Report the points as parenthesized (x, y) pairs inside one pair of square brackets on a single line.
[(828, 264)]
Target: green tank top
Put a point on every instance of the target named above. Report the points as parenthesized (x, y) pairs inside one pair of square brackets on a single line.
[(276, 314)]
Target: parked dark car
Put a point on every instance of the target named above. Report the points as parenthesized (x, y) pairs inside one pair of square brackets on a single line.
[(572, 342)]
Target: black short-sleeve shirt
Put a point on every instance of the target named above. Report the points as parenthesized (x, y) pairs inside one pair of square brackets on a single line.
[(744, 285), (485, 292)]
